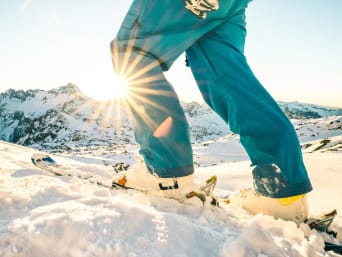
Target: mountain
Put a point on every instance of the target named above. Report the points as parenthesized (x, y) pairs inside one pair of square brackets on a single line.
[(61, 117), (296, 110), (65, 118)]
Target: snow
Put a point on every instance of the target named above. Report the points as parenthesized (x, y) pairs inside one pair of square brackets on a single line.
[(44, 215)]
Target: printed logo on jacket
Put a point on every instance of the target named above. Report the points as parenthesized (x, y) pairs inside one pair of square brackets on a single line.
[(201, 7)]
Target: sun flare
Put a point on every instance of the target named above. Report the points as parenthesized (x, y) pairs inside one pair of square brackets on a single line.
[(117, 89), (120, 88)]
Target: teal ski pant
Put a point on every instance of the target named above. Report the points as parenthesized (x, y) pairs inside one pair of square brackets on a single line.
[(154, 33)]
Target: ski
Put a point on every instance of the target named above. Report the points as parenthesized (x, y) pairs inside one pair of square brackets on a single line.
[(46, 163)]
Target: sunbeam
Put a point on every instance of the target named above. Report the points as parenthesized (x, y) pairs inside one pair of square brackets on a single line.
[(142, 76)]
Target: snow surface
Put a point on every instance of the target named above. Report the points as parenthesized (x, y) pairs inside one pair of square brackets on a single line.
[(44, 215)]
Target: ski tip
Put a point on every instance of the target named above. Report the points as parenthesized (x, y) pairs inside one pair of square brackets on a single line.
[(329, 214), (41, 158)]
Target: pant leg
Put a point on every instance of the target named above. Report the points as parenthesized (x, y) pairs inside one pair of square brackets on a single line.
[(153, 34), (229, 86)]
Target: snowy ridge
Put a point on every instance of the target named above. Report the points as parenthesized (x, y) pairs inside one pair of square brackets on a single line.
[(296, 110), (59, 118), (64, 119), (322, 134)]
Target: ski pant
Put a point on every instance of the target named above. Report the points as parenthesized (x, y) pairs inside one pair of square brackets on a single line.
[(153, 34)]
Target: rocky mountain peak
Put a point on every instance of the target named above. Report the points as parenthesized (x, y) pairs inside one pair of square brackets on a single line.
[(65, 117)]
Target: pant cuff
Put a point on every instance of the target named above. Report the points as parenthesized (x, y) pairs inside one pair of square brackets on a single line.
[(270, 182), (172, 172)]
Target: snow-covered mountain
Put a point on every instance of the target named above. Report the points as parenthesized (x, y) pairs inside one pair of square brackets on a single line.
[(65, 118), (60, 118), (296, 110)]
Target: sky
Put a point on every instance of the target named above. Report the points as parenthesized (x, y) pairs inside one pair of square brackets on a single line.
[(293, 47)]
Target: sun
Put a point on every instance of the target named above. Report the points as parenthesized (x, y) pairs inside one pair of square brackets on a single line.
[(120, 88), (117, 89)]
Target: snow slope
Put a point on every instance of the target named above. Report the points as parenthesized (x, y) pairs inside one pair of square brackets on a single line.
[(43, 215)]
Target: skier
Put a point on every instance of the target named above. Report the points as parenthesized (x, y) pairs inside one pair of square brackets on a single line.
[(212, 34)]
